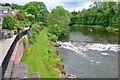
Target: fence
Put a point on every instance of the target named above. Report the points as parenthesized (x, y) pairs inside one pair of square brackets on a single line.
[(10, 51)]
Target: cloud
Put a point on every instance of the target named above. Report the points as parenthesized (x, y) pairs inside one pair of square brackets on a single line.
[(77, 6), (69, 5)]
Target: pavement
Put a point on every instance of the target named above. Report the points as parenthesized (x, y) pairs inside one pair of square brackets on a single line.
[(0, 28), (4, 47)]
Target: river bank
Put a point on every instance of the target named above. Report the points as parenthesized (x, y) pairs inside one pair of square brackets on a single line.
[(42, 57), (88, 34), (109, 29)]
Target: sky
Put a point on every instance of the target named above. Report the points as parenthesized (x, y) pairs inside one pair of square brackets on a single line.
[(69, 5)]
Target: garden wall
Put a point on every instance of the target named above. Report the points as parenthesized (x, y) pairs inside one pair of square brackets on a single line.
[(18, 51)]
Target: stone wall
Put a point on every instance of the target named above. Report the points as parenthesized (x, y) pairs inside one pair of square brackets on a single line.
[(18, 51), (16, 57)]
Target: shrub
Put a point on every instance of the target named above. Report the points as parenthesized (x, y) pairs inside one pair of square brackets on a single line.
[(58, 59), (24, 41), (57, 52), (34, 34), (26, 22), (56, 30), (52, 37), (36, 28), (8, 22), (110, 29)]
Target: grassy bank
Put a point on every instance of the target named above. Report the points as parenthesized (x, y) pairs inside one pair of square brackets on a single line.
[(41, 57), (109, 29)]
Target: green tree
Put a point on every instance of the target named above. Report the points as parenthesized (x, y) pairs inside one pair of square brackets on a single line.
[(58, 21), (29, 16), (6, 4), (101, 13), (14, 6), (19, 16), (8, 22), (38, 9)]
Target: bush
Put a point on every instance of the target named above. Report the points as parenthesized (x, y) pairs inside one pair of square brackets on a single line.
[(30, 39), (58, 60), (57, 52), (26, 22), (110, 29), (24, 40), (34, 34), (8, 22), (52, 37), (56, 30), (36, 28)]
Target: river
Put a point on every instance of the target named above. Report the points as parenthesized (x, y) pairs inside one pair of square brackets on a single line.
[(90, 53)]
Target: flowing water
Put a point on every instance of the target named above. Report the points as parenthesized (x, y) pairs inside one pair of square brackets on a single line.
[(89, 53)]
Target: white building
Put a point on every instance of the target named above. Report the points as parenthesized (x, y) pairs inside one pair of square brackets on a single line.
[(5, 10)]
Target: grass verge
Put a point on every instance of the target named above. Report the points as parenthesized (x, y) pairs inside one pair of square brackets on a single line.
[(41, 57)]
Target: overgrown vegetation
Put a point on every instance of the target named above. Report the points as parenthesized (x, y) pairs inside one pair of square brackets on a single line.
[(25, 39), (42, 57), (8, 22), (38, 9)]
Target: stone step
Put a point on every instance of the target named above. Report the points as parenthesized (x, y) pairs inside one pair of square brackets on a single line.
[(35, 76), (20, 71)]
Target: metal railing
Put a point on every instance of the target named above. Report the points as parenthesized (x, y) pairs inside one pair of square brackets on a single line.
[(10, 51)]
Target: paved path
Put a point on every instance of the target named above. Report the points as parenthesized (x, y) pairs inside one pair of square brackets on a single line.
[(4, 47)]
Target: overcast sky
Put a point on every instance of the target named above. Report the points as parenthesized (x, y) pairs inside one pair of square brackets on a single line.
[(69, 5)]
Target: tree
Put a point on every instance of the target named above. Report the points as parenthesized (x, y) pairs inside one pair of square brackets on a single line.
[(7, 4), (58, 21), (8, 22), (14, 6), (19, 16), (38, 9), (101, 13), (29, 16)]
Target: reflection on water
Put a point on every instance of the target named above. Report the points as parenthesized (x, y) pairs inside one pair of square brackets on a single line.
[(91, 35)]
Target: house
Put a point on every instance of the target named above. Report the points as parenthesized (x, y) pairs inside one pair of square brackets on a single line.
[(5, 10)]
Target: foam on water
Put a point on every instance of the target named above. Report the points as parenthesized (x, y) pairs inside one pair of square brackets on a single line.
[(103, 47), (104, 53), (94, 46), (90, 46), (68, 45)]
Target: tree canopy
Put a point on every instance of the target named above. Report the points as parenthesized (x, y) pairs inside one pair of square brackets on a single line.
[(8, 22), (101, 13), (58, 21), (13, 6), (38, 9)]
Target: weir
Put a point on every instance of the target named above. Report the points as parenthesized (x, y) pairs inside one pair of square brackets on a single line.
[(90, 60)]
